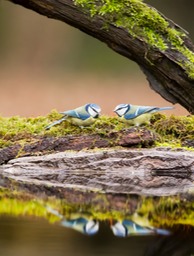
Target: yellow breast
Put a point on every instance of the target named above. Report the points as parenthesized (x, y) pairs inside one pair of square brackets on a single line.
[(142, 119), (79, 122)]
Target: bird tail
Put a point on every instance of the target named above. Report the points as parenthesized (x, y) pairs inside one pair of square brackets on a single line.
[(55, 123), (165, 108), (163, 232)]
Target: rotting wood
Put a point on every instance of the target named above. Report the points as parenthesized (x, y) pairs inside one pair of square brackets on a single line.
[(132, 137)]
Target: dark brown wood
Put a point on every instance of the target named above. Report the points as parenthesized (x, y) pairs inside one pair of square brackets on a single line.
[(132, 137), (162, 69), (9, 153)]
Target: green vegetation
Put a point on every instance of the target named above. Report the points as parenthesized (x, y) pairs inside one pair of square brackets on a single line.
[(173, 131), (144, 23), (15, 203), (168, 211), (159, 212)]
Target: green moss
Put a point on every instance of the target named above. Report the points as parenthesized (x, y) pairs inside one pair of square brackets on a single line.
[(21, 130), (133, 15), (189, 62), (168, 211), (161, 212), (28, 130), (144, 23), (16, 203), (173, 131)]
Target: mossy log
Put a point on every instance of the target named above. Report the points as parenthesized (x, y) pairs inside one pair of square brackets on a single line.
[(109, 156), (47, 144), (21, 136), (137, 31)]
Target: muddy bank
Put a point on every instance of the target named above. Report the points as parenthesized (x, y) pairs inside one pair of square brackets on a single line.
[(158, 171)]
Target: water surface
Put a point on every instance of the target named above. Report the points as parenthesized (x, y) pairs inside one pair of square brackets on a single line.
[(21, 236)]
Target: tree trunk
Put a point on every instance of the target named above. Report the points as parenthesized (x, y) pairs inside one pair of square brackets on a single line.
[(137, 31)]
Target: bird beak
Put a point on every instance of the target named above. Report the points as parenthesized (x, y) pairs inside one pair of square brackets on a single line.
[(97, 116)]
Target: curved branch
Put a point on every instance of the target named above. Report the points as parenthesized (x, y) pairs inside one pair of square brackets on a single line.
[(160, 47)]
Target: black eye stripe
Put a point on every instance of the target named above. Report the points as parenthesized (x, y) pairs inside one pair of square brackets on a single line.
[(95, 110), (121, 108)]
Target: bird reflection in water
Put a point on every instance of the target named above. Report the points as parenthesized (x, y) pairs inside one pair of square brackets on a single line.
[(85, 224), (79, 222), (127, 227)]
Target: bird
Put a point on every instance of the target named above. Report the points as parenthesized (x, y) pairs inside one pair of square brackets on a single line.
[(79, 222), (82, 224), (81, 116), (137, 115), (126, 228)]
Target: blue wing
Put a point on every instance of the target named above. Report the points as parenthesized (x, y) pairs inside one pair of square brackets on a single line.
[(142, 110), (133, 228), (136, 111), (77, 113)]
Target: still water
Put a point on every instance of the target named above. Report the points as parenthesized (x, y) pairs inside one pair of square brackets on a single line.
[(36, 237), (21, 236), (95, 224)]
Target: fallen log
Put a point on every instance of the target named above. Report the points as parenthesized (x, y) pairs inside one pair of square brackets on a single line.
[(46, 144), (158, 172)]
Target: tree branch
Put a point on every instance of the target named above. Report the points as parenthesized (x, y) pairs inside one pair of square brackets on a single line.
[(137, 31)]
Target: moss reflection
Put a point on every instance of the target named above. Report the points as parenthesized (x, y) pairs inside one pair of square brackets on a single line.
[(15, 203), (125, 214)]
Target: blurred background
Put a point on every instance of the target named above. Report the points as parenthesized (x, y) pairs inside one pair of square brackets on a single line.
[(46, 64)]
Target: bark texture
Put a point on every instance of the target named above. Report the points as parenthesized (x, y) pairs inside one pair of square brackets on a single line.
[(158, 172), (163, 69), (47, 144)]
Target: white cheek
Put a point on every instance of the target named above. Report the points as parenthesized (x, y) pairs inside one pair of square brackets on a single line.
[(92, 112), (121, 112)]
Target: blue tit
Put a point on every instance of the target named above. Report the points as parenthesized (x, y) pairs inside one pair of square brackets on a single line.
[(80, 223), (83, 225), (127, 227), (81, 116), (137, 115)]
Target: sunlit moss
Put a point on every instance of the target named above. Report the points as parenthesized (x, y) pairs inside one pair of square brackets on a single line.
[(15, 203), (141, 20), (168, 211), (22, 130), (158, 212), (144, 23), (173, 131)]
